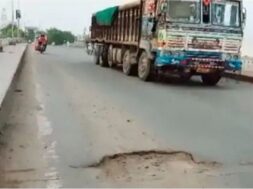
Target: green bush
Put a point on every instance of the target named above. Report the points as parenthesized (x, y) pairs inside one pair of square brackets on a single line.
[(59, 37), (6, 32)]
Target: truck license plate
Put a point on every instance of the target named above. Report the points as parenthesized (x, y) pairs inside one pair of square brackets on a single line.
[(203, 70)]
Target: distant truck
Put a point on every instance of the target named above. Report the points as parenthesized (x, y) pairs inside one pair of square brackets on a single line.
[(153, 37)]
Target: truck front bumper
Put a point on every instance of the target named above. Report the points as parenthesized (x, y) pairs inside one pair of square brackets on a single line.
[(181, 60)]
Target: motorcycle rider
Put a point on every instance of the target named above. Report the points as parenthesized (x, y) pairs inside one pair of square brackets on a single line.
[(42, 41)]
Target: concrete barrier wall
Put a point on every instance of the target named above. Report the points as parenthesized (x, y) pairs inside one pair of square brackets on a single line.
[(4, 42), (10, 61)]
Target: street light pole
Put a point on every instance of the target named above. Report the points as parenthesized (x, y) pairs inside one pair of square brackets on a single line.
[(12, 18), (18, 19), (18, 28)]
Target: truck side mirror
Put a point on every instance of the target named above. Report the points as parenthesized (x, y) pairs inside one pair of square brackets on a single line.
[(163, 7), (244, 17)]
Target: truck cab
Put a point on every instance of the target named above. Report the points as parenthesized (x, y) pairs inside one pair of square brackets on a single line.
[(194, 37)]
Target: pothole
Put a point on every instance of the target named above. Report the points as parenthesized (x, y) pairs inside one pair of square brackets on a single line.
[(159, 156), (154, 167)]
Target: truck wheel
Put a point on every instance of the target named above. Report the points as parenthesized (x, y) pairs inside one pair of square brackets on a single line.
[(96, 55), (144, 67), (103, 60), (128, 67), (211, 79), (185, 77), (110, 56)]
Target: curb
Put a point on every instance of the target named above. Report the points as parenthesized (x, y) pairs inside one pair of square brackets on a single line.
[(239, 77)]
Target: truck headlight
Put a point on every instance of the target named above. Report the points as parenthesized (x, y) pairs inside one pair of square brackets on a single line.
[(236, 57), (162, 52)]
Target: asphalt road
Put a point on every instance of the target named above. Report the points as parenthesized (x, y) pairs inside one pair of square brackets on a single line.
[(86, 112)]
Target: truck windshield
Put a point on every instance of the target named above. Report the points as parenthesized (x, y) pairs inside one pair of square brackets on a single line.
[(226, 13), (184, 11)]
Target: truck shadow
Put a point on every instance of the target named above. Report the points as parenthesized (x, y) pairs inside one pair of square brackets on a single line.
[(194, 82)]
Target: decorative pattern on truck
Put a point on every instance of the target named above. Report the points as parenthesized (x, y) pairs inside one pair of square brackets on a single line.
[(187, 48), (149, 7), (204, 43), (188, 40), (146, 28), (147, 19)]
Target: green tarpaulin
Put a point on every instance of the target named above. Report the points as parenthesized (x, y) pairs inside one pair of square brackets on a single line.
[(106, 16)]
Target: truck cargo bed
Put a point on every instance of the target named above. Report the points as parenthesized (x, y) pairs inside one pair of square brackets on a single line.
[(121, 27)]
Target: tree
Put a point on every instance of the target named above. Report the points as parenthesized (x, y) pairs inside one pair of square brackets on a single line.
[(7, 31), (30, 34), (59, 37)]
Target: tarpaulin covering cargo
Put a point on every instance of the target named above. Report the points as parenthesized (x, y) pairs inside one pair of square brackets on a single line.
[(106, 16), (118, 24)]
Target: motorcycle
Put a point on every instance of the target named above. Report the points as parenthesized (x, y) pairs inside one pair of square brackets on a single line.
[(40, 47)]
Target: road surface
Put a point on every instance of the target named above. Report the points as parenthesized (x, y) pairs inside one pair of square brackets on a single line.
[(67, 118)]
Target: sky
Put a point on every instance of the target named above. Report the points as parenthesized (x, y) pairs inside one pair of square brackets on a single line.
[(74, 15)]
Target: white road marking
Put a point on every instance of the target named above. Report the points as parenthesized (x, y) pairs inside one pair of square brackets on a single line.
[(45, 130)]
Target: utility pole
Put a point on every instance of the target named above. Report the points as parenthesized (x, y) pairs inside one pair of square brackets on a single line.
[(18, 28), (12, 18), (18, 16)]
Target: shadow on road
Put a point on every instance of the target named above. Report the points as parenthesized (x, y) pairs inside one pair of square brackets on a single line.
[(177, 82)]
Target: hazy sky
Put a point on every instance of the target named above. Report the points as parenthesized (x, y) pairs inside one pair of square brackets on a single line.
[(74, 15)]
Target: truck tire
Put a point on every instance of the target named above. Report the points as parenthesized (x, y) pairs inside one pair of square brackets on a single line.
[(103, 60), (145, 67), (96, 55), (128, 67), (211, 79), (185, 77), (110, 57)]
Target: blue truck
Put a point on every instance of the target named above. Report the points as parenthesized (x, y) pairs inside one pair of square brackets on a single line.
[(179, 37)]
